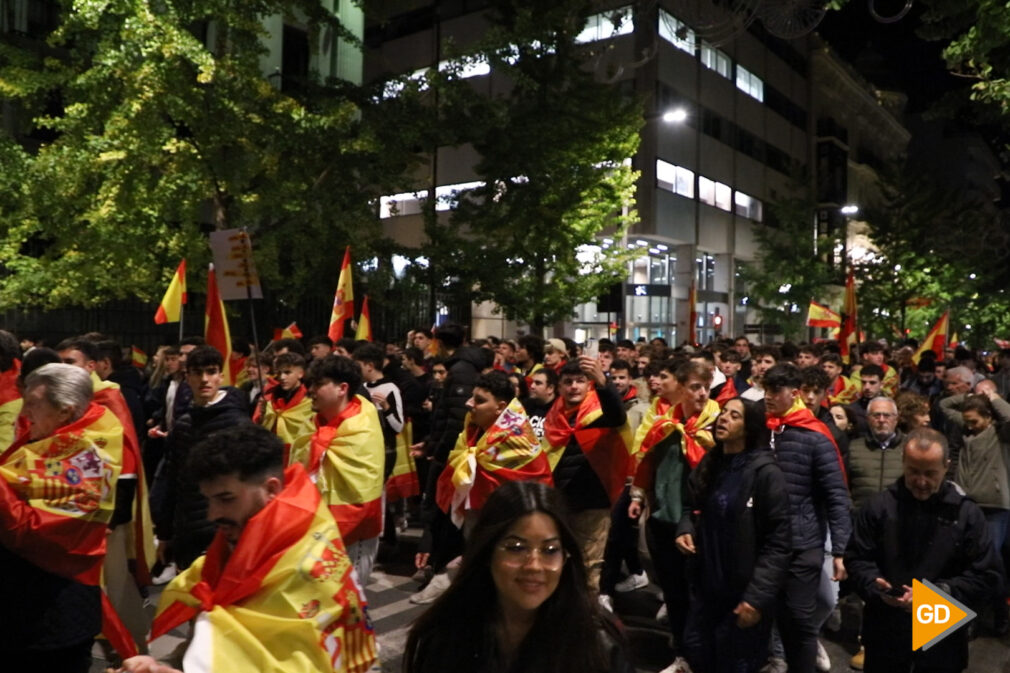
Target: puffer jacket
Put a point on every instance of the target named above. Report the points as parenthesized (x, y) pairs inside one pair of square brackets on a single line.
[(182, 516), (872, 467), (815, 484), (463, 369)]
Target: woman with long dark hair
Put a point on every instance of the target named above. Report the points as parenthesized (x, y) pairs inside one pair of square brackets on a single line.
[(520, 602), (736, 529)]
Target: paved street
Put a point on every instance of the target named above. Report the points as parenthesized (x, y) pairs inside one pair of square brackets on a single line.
[(392, 614)]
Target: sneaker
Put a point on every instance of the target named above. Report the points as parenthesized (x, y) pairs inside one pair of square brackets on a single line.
[(823, 662), (438, 584), (606, 602), (662, 616), (775, 665), (423, 576), (857, 659), (166, 575), (679, 665), (632, 582)]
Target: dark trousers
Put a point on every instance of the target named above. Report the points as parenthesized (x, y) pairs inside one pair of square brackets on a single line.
[(713, 643), (796, 608), (622, 544), (671, 574), (73, 659)]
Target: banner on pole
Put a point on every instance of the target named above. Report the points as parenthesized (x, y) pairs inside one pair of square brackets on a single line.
[(234, 266)]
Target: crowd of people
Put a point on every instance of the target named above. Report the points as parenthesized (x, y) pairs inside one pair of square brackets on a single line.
[(765, 482)]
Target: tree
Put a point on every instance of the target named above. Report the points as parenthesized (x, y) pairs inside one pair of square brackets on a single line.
[(791, 268), (553, 145), (166, 128)]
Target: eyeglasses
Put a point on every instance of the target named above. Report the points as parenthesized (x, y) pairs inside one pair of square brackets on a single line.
[(881, 414), (517, 554)]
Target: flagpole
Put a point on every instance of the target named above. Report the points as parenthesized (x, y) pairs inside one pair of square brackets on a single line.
[(247, 250), (182, 313)]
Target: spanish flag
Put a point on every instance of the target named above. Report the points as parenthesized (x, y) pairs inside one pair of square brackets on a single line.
[(216, 325), (288, 419), (663, 419), (936, 340), (10, 404), (954, 341), (364, 331), (138, 357), (170, 309), (289, 332), (848, 334), (819, 315), (343, 300), (482, 461), (403, 481), (345, 457), (284, 600)]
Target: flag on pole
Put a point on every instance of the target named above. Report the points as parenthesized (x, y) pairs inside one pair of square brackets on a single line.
[(170, 309), (216, 326), (954, 342), (848, 334), (819, 315), (289, 332), (936, 340), (343, 300), (364, 332), (138, 357), (692, 312)]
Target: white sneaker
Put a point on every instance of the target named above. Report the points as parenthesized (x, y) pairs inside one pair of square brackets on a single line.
[(679, 665), (823, 662), (632, 582), (606, 602), (662, 616), (436, 587), (166, 576), (774, 665)]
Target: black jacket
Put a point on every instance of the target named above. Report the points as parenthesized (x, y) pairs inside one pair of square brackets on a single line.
[(134, 390), (818, 496), (463, 369), (943, 539), (762, 536), (182, 516)]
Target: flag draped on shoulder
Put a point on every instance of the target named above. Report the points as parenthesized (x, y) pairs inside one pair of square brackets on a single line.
[(10, 404), (170, 309), (848, 334), (482, 461), (290, 418), (343, 300), (364, 331), (936, 340), (216, 325), (663, 419), (819, 315), (607, 449), (843, 391), (283, 600), (799, 416), (345, 458)]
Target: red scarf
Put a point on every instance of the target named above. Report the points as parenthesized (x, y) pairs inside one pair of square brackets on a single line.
[(799, 416)]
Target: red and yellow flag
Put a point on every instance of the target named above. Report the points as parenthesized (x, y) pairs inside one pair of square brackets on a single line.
[(403, 481), (216, 325), (848, 334), (364, 331), (343, 300), (482, 461), (284, 599), (819, 315), (289, 332), (345, 458), (288, 419), (955, 341), (138, 357), (692, 313), (936, 340), (170, 309)]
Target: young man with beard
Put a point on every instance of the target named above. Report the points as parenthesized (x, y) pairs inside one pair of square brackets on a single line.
[(543, 392)]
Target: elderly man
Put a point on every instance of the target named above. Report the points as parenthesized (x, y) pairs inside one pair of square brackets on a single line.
[(875, 456), (55, 507), (275, 590), (920, 527)]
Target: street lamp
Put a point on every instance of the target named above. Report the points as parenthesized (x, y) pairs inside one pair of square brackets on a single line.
[(675, 116)]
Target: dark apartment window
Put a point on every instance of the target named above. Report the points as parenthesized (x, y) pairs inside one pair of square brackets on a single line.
[(294, 59)]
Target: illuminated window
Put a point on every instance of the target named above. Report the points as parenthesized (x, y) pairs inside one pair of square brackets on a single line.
[(714, 59), (723, 196), (706, 190), (606, 25), (749, 83), (676, 32), (676, 179), (747, 206)]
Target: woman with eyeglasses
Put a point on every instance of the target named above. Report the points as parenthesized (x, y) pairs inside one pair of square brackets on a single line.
[(736, 531), (520, 602)]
